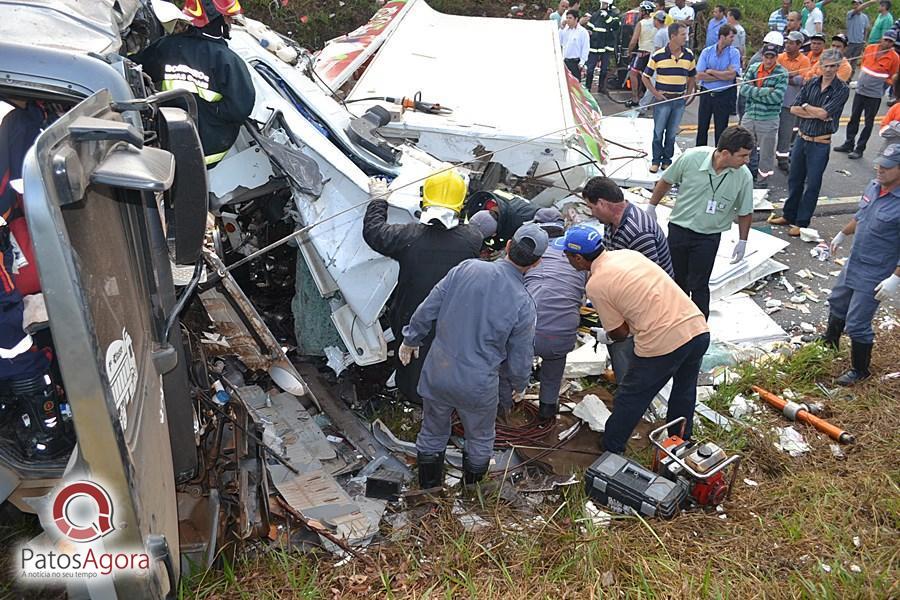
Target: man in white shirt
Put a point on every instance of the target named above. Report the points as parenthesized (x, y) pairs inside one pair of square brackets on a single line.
[(576, 42), (683, 15), (740, 36), (815, 21)]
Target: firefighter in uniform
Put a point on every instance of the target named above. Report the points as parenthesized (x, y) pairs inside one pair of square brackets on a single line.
[(426, 251), (603, 27), (872, 271), (200, 61), (29, 400)]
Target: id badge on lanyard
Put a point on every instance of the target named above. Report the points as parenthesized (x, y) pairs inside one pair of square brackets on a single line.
[(712, 205)]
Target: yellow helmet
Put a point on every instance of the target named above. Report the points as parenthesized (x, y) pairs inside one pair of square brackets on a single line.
[(446, 189)]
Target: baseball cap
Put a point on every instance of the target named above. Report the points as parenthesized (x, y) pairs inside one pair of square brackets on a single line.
[(660, 16), (796, 36), (890, 34), (550, 220), (581, 239), (841, 38), (532, 232), (890, 157), (485, 222), (817, 36), (770, 49), (547, 215)]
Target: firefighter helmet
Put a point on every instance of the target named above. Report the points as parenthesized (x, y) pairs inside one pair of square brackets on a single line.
[(446, 189), (202, 12)]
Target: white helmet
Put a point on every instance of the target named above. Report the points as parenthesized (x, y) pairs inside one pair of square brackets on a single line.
[(774, 37)]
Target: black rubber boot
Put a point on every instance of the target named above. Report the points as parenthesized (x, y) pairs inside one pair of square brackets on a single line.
[(472, 474), (832, 336), (43, 423), (860, 358), (431, 469), (547, 410)]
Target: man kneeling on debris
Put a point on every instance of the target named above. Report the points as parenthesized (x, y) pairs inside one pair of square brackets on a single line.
[(426, 251), (872, 272), (482, 317), (633, 295)]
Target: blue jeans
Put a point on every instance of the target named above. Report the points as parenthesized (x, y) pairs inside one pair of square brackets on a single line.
[(808, 162), (644, 379), (666, 119)]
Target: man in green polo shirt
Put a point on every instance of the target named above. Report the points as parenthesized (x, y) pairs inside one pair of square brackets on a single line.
[(714, 187)]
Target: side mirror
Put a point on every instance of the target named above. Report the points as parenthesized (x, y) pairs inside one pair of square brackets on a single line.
[(187, 201)]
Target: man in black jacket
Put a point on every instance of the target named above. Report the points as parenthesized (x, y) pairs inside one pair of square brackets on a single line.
[(604, 28), (426, 251), (201, 62)]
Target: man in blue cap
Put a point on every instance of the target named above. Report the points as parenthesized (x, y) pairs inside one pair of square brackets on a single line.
[(484, 320), (872, 272), (633, 295)]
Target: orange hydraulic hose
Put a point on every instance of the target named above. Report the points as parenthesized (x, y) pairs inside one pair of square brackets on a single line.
[(835, 433)]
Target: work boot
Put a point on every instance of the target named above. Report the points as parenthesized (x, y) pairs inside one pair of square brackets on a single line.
[(860, 357), (431, 469), (845, 147), (472, 474), (43, 422), (832, 336), (784, 164), (547, 410)]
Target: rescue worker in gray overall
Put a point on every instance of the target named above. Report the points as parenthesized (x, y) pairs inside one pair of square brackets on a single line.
[(872, 271), (558, 291), (482, 316)]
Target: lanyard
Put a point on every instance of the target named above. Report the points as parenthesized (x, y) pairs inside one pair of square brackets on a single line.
[(716, 189)]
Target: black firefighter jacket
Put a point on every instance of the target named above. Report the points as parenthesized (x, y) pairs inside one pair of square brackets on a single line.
[(425, 253), (208, 68)]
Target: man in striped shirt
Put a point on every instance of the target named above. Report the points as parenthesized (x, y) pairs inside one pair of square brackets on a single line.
[(625, 227), (675, 71)]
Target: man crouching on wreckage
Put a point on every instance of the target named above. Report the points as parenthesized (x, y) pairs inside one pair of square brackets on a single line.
[(633, 295), (483, 317)]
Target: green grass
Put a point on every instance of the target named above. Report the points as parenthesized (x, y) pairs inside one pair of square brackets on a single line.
[(772, 543)]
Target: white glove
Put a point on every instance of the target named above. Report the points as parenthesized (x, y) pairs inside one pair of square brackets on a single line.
[(378, 188), (407, 353), (887, 288), (837, 241), (651, 210), (739, 249), (602, 336)]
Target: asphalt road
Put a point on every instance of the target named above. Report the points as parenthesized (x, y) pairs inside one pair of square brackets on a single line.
[(842, 186)]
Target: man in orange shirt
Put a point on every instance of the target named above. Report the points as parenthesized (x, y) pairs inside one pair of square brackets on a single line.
[(890, 126), (845, 70), (816, 48), (633, 295), (796, 64), (878, 68)]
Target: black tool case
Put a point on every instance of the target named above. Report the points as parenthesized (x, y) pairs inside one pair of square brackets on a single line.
[(623, 486)]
